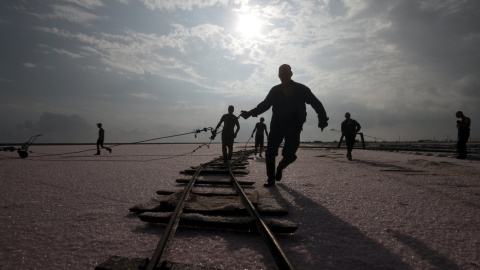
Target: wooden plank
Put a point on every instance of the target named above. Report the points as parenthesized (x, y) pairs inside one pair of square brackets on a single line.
[(215, 182), (269, 205), (218, 205), (123, 263), (222, 165), (150, 205), (239, 223), (204, 193), (215, 171)]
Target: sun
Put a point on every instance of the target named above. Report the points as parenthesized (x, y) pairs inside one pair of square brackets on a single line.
[(249, 26)]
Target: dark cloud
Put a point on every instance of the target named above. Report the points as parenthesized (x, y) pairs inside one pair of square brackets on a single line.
[(55, 127), (337, 8), (59, 123), (469, 86), (436, 36)]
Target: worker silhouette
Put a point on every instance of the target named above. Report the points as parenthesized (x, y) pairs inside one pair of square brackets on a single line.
[(287, 100), (463, 126), (350, 128), (229, 121), (261, 128), (101, 138)]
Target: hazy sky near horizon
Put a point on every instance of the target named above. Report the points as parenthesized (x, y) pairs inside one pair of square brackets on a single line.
[(153, 68)]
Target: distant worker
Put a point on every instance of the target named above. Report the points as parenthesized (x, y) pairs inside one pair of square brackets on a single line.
[(261, 128), (228, 135), (350, 128), (101, 138), (463, 127), (288, 116)]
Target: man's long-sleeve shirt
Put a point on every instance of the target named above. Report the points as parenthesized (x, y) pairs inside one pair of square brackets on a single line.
[(291, 111), (463, 127), (350, 127), (101, 134)]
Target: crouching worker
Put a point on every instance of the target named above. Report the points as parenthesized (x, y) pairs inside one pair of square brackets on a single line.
[(229, 121), (288, 101)]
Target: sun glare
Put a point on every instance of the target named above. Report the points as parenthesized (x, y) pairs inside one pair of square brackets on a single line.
[(249, 26)]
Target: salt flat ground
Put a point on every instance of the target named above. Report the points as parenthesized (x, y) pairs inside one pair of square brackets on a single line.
[(383, 210)]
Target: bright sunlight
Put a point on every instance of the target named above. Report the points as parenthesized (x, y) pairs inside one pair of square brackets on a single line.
[(249, 25)]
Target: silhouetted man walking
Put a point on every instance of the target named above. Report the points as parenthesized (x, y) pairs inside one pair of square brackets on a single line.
[(228, 135), (261, 128), (350, 128), (101, 138)]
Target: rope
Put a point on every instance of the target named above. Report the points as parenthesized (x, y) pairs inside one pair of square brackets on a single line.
[(363, 135), (247, 143), (205, 129), (181, 155), (138, 142)]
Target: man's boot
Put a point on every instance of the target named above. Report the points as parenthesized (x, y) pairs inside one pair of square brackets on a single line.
[(270, 163), (98, 153), (282, 165)]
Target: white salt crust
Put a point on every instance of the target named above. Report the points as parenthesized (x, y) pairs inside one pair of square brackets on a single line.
[(382, 210)]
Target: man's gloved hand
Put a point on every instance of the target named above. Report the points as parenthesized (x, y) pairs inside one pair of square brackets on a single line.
[(214, 134), (322, 122), (322, 125), (245, 114)]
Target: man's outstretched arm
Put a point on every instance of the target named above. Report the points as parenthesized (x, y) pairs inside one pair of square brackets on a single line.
[(261, 107)]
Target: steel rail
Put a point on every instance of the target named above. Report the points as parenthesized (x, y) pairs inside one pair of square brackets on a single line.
[(173, 221), (281, 258)]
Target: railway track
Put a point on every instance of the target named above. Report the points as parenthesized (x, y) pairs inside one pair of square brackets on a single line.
[(187, 208)]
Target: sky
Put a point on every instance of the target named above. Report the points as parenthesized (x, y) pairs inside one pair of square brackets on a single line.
[(153, 68)]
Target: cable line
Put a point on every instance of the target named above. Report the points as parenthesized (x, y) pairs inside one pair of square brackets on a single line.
[(196, 131)]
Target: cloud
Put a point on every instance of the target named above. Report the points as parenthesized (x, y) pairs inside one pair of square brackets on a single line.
[(436, 34), (182, 54), (386, 61), (71, 14), (144, 95), (29, 65), (466, 92), (57, 128), (6, 80), (170, 5), (61, 51), (89, 4), (184, 104)]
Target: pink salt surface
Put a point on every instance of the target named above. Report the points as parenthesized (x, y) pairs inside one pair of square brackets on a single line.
[(383, 210)]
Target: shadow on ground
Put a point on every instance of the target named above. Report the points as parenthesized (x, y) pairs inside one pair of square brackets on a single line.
[(328, 242)]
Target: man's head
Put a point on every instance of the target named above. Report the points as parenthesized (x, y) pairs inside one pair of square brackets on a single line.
[(262, 119), (230, 109), (285, 73), (99, 125), (459, 114), (347, 115)]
